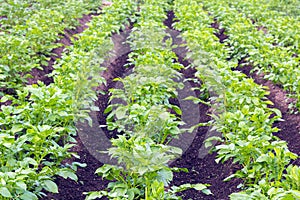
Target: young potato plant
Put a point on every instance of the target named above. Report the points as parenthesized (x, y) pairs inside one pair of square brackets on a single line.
[(241, 109), (17, 13), (31, 130), (287, 188), (146, 91), (17, 58), (144, 171), (145, 160), (156, 121)]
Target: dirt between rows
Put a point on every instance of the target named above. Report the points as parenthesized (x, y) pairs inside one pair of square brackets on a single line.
[(202, 169)]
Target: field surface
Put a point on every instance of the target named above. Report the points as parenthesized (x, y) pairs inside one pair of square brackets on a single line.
[(151, 99)]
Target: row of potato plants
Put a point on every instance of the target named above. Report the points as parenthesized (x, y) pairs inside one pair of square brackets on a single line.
[(286, 7), (282, 31), (277, 21), (38, 126), (241, 112), (144, 119), (28, 34), (17, 13), (266, 51)]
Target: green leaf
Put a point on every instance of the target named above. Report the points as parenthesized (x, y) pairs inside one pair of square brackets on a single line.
[(229, 177), (199, 186), (130, 194), (4, 99), (164, 116), (28, 196), (263, 158), (165, 176), (65, 173), (121, 112), (21, 185), (208, 141), (16, 128), (104, 169), (94, 108), (197, 100), (5, 192), (108, 109), (277, 112), (50, 186), (283, 79), (207, 191), (176, 169), (177, 110), (119, 191), (239, 196), (94, 195), (295, 193)]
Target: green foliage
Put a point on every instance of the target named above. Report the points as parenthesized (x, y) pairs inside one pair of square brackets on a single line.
[(29, 31), (144, 118), (146, 172), (240, 108), (264, 37), (38, 123)]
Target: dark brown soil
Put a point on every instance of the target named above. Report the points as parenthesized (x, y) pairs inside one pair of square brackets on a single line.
[(220, 31)]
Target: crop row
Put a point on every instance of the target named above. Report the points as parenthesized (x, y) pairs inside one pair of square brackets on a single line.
[(281, 23), (144, 121), (282, 31), (258, 44), (15, 14), (29, 31), (240, 106), (38, 126)]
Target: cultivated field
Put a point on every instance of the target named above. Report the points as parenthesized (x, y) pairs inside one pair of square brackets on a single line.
[(149, 99)]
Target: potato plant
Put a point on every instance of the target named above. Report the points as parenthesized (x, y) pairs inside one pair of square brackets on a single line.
[(278, 19)]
